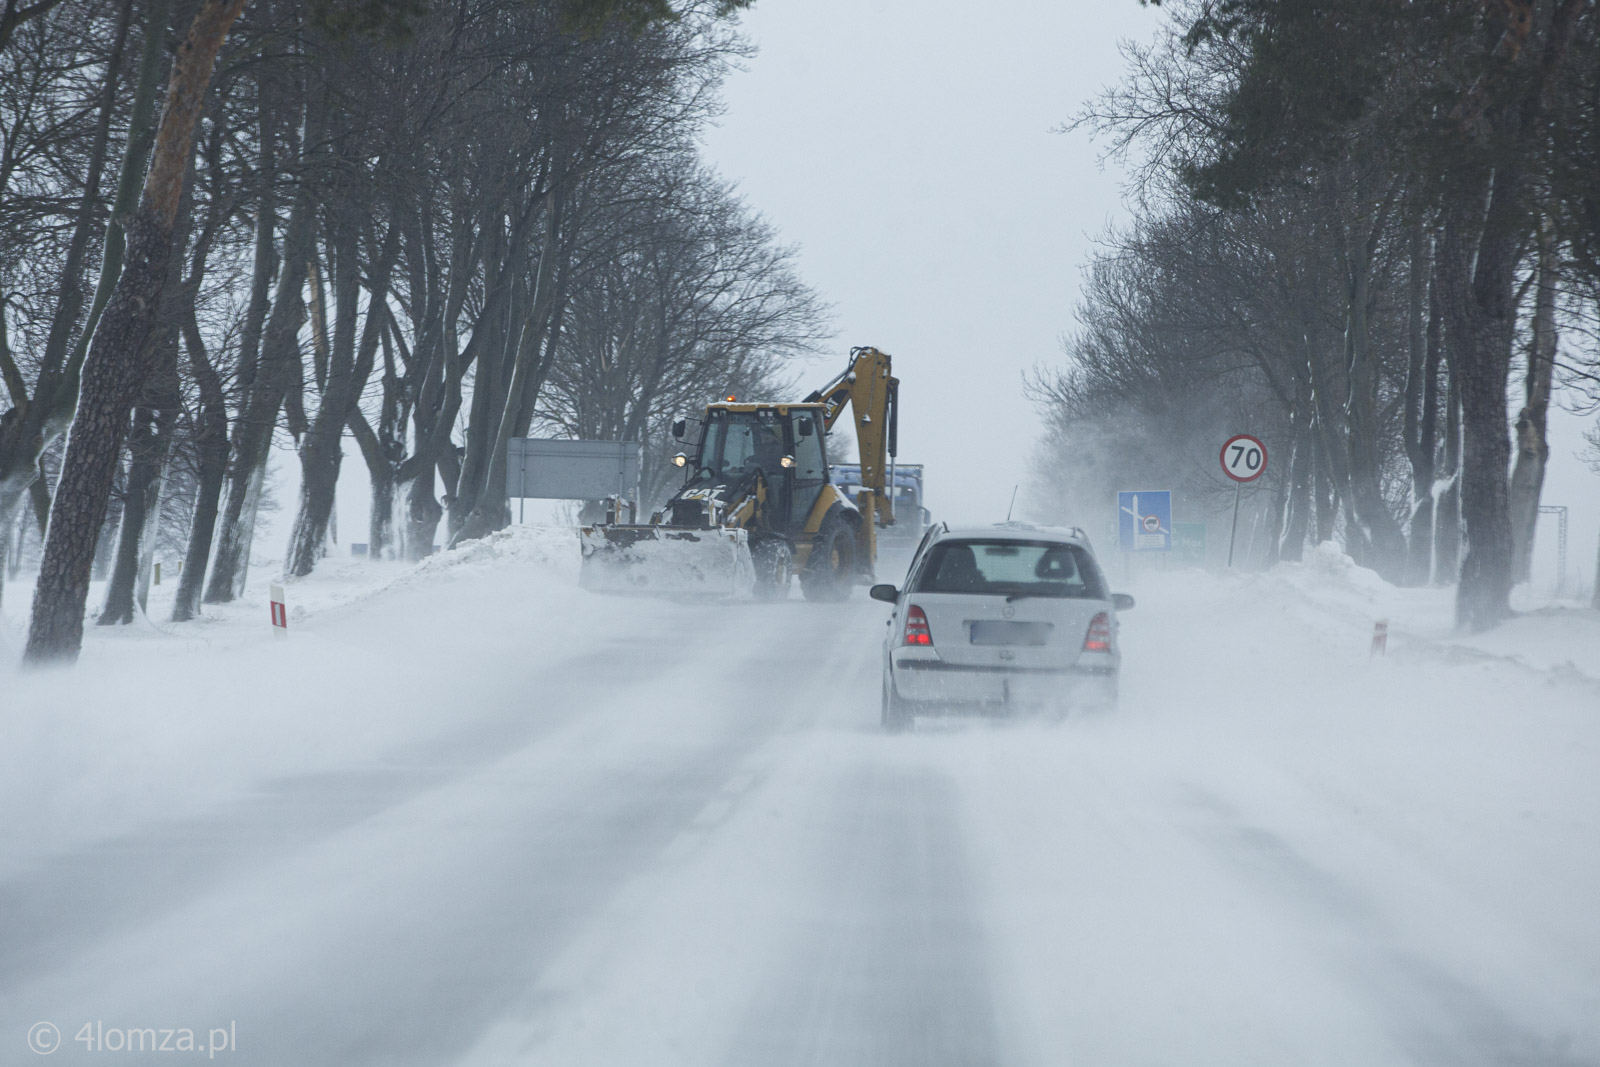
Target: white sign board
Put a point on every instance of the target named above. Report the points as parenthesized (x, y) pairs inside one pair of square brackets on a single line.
[(571, 470)]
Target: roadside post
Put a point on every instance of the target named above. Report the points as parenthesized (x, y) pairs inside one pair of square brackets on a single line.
[(280, 614), (1244, 459), (1380, 638)]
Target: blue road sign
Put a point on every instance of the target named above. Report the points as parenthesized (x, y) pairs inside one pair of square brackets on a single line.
[(1144, 521)]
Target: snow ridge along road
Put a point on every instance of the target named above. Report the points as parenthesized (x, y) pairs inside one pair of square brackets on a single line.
[(502, 821)]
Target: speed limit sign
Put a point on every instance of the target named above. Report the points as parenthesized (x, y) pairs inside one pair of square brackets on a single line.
[(1244, 458)]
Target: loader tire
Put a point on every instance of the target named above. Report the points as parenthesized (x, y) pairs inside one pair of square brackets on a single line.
[(831, 572), (774, 563)]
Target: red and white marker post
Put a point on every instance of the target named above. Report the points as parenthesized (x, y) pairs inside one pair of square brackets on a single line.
[(280, 613), (1244, 459)]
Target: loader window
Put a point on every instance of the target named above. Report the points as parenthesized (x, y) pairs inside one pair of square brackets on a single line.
[(810, 471), (737, 442), (729, 443)]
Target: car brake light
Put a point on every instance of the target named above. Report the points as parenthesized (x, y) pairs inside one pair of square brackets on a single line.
[(1098, 638), (917, 632)]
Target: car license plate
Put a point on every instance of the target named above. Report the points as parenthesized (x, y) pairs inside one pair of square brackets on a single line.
[(988, 632)]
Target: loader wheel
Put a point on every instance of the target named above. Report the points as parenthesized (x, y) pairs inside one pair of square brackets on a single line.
[(774, 564), (832, 571)]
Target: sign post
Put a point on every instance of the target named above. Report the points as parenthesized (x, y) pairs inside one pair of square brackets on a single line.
[(1244, 459)]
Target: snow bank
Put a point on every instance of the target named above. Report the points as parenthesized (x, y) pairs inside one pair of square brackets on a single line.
[(160, 719)]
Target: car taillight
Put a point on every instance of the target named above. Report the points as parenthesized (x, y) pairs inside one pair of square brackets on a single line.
[(917, 632), (1098, 638)]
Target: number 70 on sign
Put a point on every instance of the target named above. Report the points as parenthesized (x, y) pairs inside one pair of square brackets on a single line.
[(1244, 458)]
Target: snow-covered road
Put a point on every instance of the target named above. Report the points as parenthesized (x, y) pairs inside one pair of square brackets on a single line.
[(585, 830)]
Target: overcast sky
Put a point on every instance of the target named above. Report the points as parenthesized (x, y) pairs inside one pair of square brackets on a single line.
[(907, 148)]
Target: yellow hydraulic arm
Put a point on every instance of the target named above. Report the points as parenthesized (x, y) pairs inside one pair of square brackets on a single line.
[(873, 394)]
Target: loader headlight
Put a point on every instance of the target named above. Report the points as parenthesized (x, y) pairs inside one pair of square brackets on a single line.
[(787, 462), (680, 460)]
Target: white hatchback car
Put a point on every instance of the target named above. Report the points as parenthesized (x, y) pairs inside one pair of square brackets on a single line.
[(1000, 618)]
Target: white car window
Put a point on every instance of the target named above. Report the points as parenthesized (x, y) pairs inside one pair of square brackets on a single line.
[(1010, 568)]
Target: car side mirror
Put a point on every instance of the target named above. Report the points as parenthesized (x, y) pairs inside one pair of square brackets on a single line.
[(1122, 601), (804, 426), (884, 592), (679, 428)]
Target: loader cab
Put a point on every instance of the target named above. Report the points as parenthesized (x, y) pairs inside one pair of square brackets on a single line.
[(736, 440)]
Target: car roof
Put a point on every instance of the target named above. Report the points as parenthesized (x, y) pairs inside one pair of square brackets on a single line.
[(1018, 531)]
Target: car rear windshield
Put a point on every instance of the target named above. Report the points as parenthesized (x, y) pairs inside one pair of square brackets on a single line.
[(1011, 568)]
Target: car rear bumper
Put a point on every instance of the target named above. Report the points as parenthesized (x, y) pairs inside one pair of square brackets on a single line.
[(936, 685)]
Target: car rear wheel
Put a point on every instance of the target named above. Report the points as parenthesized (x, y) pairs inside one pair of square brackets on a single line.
[(896, 711)]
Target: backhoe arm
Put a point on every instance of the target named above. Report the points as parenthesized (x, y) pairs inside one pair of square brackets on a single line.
[(872, 393)]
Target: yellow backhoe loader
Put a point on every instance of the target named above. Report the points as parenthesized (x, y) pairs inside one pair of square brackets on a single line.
[(757, 506)]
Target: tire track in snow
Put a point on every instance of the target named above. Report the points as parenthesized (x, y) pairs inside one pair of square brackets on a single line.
[(1438, 1019), (891, 966)]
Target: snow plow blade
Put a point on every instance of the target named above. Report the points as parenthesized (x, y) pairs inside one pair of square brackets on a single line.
[(666, 560)]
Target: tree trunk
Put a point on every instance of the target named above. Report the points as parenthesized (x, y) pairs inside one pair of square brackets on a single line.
[(1447, 519), (211, 446), (1322, 490), (383, 460), (265, 265), (1383, 545), (144, 475), (1421, 404), (118, 359), (1478, 256), (527, 377), (321, 452), (1291, 547), (422, 515), (149, 447), (1533, 450), (383, 450), (105, 541), (128, 194), (253, 429)]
